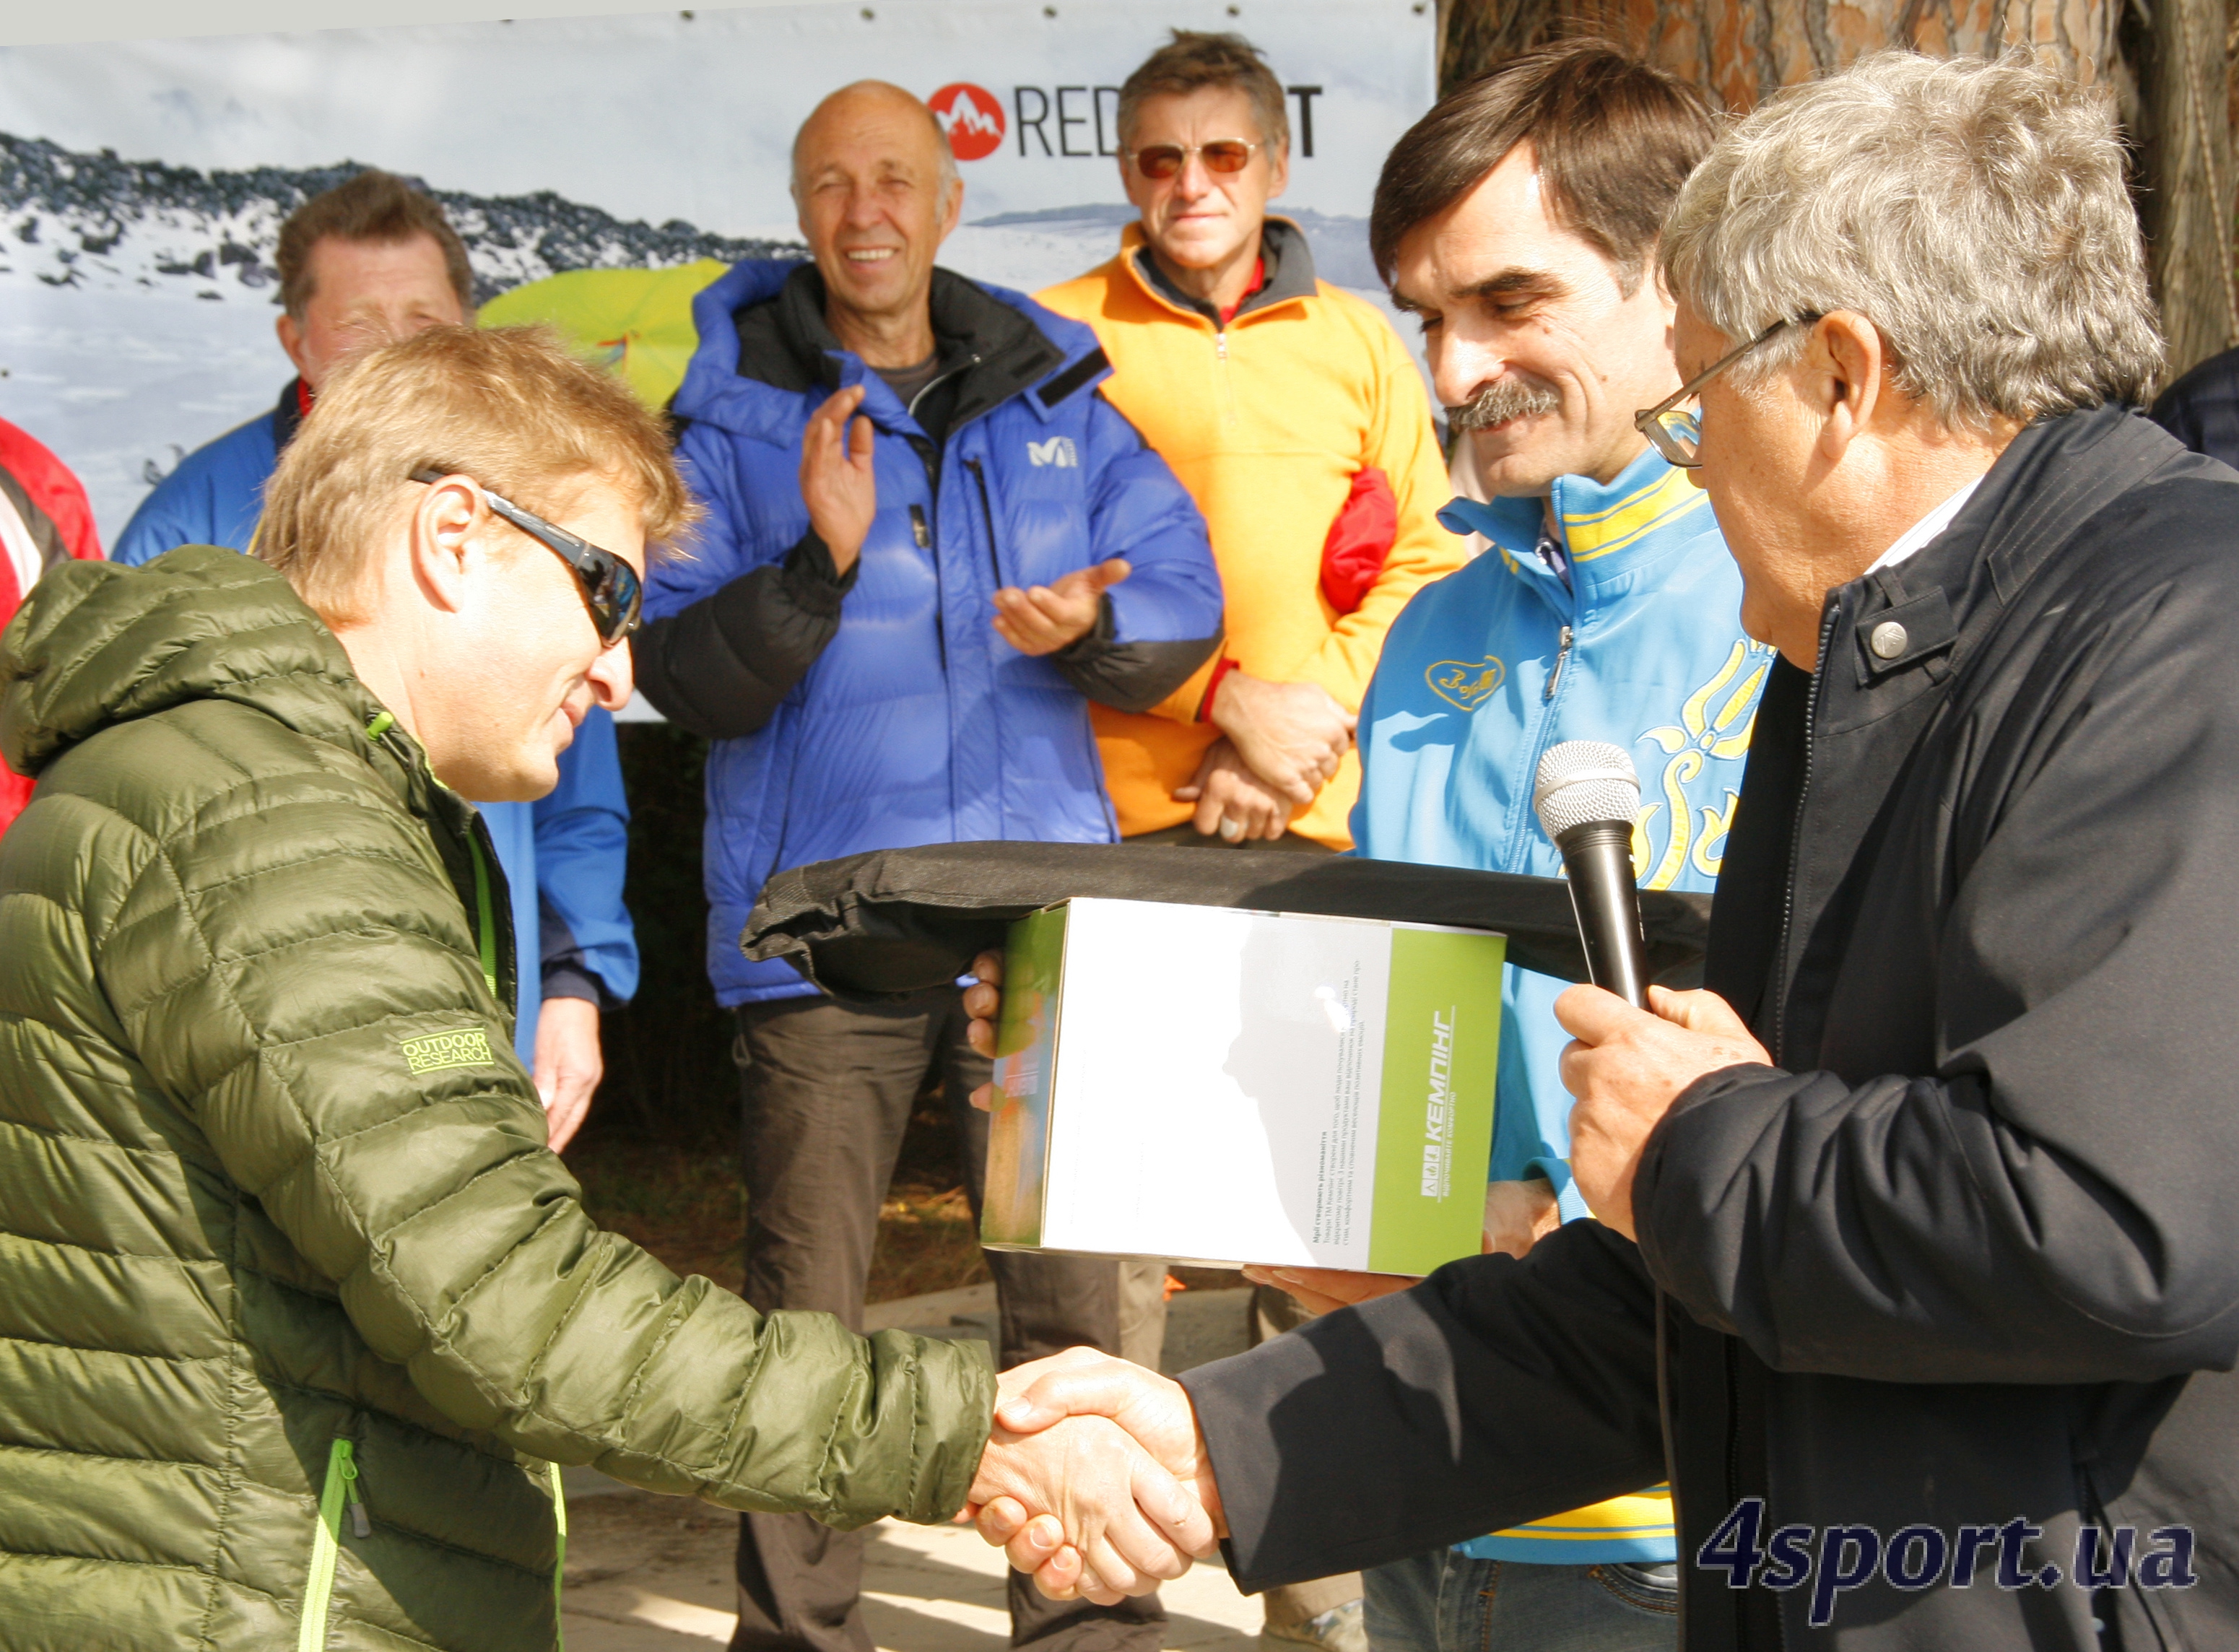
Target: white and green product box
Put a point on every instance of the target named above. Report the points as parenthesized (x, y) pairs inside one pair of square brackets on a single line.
[(1225, 1087)]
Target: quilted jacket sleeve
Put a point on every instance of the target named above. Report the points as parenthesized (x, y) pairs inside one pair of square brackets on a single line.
[(295, 968), (730, 630)]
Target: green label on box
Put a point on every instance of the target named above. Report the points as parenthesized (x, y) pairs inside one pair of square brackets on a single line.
[(1434, 1120), (1025, 1055)]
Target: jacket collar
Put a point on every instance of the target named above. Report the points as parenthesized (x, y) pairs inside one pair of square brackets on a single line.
[(1608, 531), (2037, 496), (761, 327), (1283, 248), (1849, 729)]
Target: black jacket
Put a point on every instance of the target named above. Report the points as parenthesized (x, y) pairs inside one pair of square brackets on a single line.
[(1964, 1256), (2201, 408)]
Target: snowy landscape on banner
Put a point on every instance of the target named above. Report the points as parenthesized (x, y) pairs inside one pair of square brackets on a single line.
[(143, 185)]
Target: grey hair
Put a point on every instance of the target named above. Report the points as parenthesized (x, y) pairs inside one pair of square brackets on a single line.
[(1974, 210)]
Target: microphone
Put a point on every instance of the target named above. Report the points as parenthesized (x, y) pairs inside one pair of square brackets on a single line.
[(1586, 796)]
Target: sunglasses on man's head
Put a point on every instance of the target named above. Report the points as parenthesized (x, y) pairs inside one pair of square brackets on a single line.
[(1165, 160), (612, 590)]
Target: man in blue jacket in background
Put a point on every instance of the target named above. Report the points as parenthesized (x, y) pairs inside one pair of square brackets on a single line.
[(370, 260), (1517, 220), (930, 543)]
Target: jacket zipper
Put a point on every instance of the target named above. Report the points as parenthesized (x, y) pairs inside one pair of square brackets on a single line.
[(558, 1558), (921, 536), (340, 1489), (1528, 823), (987, 510), (485, 908), (1796, 837), (1562, 655), (932, 384), (485, 914)]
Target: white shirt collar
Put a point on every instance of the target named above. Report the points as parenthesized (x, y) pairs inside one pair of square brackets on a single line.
[(1926, 528)]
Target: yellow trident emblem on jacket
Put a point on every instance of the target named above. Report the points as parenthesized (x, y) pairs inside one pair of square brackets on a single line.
[(1700, 735)]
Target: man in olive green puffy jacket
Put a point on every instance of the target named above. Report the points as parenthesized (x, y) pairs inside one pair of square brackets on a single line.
[(297, 1309)]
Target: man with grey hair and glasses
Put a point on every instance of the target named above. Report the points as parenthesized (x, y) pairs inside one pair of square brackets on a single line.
[(1913, 1262)]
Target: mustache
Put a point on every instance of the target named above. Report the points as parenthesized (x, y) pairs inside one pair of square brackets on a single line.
[(1501, 400)]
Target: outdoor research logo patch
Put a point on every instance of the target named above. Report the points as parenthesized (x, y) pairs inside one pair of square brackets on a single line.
[(1466, 686), (1058, 450), (468, 1047)]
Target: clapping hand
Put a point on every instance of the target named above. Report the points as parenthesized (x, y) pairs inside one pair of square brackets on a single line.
[(837, 482), (1043, 619)]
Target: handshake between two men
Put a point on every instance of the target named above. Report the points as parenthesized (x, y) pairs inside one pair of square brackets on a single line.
[(1097, 1478)]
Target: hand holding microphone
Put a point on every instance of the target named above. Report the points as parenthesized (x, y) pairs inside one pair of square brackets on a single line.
[(1639, 1047), (1586, 798)]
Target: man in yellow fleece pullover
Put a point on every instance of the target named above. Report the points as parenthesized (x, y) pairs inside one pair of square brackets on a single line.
[(1273, 396)]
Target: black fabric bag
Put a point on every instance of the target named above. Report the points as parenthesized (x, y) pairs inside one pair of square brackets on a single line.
[(901, 921)]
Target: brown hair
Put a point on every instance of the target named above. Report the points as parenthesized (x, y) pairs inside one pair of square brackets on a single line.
[(1192, 61), (1614, 137), (508, 406), (373, 207)]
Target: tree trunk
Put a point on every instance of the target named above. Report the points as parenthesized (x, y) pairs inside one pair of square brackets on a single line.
[(2183, 125), (2168, 61)]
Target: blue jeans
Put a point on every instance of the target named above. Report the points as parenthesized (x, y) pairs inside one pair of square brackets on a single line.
[(1443, 1602)]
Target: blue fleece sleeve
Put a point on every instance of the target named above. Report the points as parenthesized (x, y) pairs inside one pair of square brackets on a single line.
[(588, 947), (1138, 510)]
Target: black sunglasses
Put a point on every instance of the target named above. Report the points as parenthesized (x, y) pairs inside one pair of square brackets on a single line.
[(612, 590)]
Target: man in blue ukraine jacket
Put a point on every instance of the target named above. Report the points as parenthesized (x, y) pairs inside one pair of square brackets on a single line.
[(374, 258), (1605, 608), (930, 543)]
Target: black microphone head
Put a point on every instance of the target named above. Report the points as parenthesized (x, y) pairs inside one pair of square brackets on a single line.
[(1582, 780)]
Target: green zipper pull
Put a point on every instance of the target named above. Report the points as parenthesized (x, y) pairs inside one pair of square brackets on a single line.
[(559, 1563), (326, 1545), (380, 724), (360, 1526)]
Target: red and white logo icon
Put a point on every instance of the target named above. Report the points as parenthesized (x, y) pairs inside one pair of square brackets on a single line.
[(971, 116)]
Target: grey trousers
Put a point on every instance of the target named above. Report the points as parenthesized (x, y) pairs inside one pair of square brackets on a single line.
[(828, 1089)]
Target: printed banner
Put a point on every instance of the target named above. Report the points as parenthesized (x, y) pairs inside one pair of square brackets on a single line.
[(142, 184)]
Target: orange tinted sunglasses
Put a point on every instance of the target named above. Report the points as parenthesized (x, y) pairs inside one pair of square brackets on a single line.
[(1165, 160)]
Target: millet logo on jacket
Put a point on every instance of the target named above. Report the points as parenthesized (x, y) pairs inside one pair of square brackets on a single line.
[(1058, 450), (466, 1047)]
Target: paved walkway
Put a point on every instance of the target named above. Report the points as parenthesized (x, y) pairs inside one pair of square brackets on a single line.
[(653, 1574)]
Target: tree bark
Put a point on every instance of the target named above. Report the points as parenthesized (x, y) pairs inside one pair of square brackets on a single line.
[(2169, 64), (2183, 125)]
